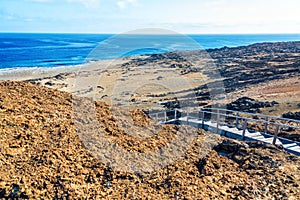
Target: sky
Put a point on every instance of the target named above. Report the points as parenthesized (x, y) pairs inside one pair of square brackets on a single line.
[(119, 16)]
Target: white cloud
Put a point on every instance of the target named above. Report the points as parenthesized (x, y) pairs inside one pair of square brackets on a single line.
[(131, 1), (86, 3), (40, 1), (121, 4), (124, 3)]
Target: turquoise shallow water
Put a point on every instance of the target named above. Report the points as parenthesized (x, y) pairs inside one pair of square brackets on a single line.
[(52, 50)]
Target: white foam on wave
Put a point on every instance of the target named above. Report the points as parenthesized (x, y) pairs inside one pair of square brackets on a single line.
[(25, 73)]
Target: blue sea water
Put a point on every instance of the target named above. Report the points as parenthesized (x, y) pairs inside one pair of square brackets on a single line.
[(51, 50)]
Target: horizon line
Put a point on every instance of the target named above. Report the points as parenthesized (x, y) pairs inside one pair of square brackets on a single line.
[(126, 33)]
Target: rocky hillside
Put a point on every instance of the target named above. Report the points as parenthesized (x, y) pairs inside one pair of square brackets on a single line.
[(239, 66), (41, 156), (257, 63)]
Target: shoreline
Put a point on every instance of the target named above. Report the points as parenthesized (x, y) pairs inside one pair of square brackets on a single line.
[(242, 69), (202, 46), (36, 72), (43, 69)]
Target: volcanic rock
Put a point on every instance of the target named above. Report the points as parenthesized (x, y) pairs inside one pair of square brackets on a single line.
[(291, 115), (250, 105), (43, 157)]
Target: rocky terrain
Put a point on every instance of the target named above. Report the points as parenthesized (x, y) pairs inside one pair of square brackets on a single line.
[(259, 78), (250, 105), (238, 66), (246, 104), (291, 115), (264, 71), (257, 63), (43, 157)]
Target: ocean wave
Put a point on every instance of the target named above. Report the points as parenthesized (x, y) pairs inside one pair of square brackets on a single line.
[(56, 50), (24, 73)]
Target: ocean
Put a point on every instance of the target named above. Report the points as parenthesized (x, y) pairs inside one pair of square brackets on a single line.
[(18, 50)]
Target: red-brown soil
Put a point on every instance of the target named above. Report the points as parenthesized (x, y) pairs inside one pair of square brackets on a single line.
[(42, 157)]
